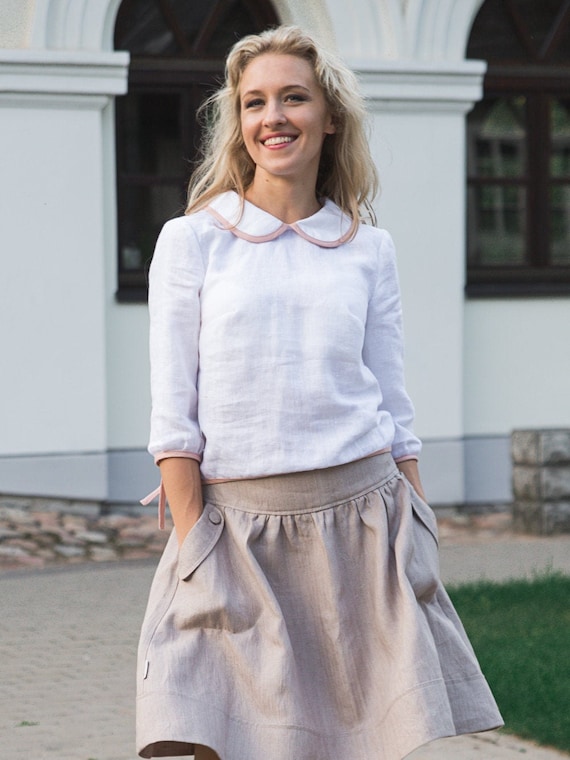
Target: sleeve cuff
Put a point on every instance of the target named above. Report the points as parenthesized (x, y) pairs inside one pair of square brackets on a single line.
[(176, 455), (406, 458)]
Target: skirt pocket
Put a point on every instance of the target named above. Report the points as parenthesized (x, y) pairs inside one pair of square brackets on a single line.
[(200, 541), (424, 513), (423, 565)]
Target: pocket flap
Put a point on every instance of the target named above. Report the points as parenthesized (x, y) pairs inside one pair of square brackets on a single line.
[(424, 513), (200, 541)]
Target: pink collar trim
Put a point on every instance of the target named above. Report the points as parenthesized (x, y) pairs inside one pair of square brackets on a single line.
[(328, 228)]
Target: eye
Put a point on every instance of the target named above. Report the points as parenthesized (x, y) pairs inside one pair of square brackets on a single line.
[(295, 97), (253, 103)]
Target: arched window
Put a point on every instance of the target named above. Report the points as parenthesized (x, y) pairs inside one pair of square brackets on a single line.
[(519, 150), (177, 51)]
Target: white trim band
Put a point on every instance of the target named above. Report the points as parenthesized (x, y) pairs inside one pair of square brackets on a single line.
[(63, 72)]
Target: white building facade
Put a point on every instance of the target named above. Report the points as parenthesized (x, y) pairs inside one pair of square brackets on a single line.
[(74, 395)]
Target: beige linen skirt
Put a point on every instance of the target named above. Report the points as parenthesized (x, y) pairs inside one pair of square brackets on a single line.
[(304, 619)]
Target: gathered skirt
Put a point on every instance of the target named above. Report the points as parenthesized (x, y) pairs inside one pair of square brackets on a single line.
[(303, 618)]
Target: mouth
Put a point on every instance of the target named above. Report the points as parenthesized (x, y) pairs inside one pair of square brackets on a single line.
[(278, 140)]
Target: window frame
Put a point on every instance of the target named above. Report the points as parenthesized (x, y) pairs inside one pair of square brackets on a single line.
[(147, 78), (538, 82), (193, 65)]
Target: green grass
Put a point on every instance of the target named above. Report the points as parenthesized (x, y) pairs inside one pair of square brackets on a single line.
[(521, 633)]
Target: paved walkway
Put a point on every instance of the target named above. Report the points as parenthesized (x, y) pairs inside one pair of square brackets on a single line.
[(68, 638)]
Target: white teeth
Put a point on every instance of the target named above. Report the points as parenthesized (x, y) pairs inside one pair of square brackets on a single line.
[(278, 140)]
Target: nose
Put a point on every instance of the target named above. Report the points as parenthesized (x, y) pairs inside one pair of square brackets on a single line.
[(274, 113)]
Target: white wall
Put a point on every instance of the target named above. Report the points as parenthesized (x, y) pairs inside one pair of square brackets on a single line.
[(418, 144), (15, 22), (517, 365), (53, 400), (53, 340), (420, 160), (128, 372)]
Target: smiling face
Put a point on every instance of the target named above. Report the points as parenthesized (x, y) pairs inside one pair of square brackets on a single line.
[(284, 117)]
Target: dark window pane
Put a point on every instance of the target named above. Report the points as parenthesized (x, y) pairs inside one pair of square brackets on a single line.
[(560, 224), (188, 18), (145, 210), (175, 28), (560, 131), (561, 53), (524, 31), (497, 138), (151, 134), (497, 225), (539, 19), (237, 22), (494, 36), (177, 50), (144, 29)]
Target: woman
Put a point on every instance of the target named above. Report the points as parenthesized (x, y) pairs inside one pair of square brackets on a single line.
[(297, 610)]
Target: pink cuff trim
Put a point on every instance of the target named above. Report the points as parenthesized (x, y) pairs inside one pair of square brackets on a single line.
[(176, 455), (161, 493), (406, 458)]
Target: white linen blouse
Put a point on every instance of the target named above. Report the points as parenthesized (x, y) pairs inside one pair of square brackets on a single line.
[(275, 347)]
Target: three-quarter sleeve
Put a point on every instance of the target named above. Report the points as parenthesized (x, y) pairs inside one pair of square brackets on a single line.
[(175, 282), (383, 352)]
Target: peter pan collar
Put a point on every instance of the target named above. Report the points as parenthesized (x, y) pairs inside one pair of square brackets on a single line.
[(328, 228)]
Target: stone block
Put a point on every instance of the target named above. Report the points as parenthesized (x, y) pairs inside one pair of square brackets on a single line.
[(541, 481), (92, 536), (68, 552), (554, 483), (554, 447), (526, 483), (86, 508), (541, 518), (89, 509), (556, 517), (524, 447), (103, 554), (16, 515), (538, 447), (528, 517)]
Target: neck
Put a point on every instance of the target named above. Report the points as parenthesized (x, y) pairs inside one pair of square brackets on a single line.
[(288, 201)]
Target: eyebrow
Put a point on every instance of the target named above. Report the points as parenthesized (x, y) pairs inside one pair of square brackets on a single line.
[(282, 89)]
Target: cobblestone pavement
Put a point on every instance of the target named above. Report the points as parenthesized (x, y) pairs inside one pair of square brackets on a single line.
[(69, 627)]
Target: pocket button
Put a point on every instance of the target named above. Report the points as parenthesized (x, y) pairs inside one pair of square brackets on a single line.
[(215, 517)]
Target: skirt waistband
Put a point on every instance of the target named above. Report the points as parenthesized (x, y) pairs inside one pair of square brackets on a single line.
[(296, 492)]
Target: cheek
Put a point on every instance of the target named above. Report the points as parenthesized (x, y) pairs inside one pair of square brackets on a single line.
[(248, 143), (246, 129)]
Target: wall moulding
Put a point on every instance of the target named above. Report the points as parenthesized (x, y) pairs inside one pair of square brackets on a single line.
[(74, 24), (63, 72), (410, 85), (53, 101)]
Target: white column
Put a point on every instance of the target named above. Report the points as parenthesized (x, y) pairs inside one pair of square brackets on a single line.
[(418, 141), (52, 311)]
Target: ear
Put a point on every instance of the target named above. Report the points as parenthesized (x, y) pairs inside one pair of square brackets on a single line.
[(330, 127)]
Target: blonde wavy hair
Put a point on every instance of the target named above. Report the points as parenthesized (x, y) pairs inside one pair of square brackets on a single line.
[(346, 171)]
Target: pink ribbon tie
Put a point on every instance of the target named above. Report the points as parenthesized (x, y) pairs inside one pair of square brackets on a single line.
[(161, 493)]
